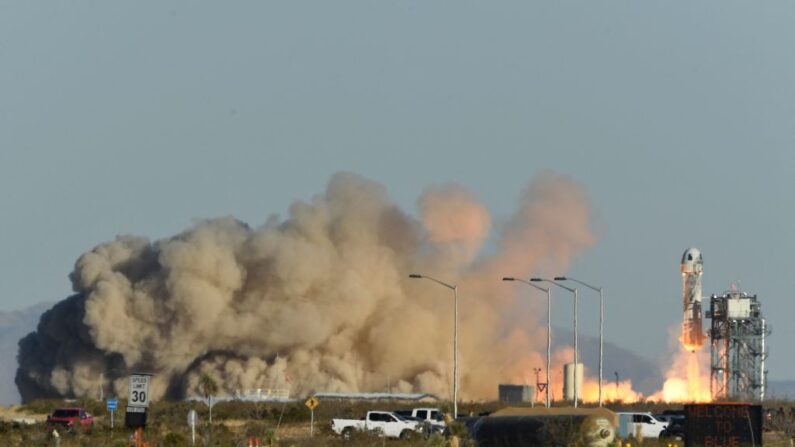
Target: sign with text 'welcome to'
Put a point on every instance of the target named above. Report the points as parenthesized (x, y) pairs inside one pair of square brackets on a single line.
[(723, 425)]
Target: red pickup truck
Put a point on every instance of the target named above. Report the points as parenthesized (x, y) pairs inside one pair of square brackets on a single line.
[(71, 418)]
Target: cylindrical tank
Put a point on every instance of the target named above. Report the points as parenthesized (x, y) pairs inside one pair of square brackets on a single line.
[(520, 427), (569, 377)]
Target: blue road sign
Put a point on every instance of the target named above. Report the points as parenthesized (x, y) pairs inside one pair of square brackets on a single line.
[(112, 404)]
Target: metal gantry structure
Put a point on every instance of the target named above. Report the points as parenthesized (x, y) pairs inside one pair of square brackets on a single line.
[(737, 347)]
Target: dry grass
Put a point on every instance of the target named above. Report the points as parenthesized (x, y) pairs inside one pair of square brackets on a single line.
[(284, 425)]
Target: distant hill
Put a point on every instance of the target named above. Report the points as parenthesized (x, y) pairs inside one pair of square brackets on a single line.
[(13, 326), (780, 389), (646, 376)]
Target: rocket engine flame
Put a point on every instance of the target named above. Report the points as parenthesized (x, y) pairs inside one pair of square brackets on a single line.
[(686, 380)]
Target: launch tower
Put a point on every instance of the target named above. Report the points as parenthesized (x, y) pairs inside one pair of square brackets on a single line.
[(737, 338)]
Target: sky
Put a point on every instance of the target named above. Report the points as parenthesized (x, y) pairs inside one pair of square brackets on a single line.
[(677, 118)]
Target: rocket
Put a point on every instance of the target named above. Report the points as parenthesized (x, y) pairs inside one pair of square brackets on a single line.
[(692, 267)]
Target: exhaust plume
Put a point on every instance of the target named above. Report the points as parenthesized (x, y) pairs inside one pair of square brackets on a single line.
[(318, 301)]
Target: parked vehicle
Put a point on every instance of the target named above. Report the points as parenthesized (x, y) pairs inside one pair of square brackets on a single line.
[(671, 416), (674, 431), (70, 419), (639, 425), (430, 415), (381, 423), (431, 418)]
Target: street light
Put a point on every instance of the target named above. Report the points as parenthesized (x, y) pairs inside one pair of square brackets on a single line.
[(454, 288), (574, 291), (549, 327), (601, 324)]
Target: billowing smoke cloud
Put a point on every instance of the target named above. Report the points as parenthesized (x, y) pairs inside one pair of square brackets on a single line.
[(318, 301)]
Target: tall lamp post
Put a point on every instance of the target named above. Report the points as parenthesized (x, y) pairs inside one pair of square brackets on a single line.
[(601, 324), (549, 327), (454, 288), (576, 359)]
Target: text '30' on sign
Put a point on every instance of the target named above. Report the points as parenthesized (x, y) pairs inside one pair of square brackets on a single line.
[(139, 391)]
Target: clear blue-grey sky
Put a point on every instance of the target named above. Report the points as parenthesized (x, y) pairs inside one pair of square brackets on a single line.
[(678, 118)]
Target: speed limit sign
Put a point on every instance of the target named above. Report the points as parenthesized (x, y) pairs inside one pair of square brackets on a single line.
[(139, 391)]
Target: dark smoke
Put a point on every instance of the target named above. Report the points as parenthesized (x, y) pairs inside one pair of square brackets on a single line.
[(317, 301)]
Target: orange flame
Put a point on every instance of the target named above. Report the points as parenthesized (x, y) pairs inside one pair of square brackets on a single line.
[(610, 392), (686, 380)]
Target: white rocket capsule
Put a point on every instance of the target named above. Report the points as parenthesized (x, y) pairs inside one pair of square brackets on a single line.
[(692, 269)]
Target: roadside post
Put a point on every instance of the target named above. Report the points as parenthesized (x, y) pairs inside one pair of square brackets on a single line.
[(193, 419), (137, 404), (111, 405), (312, 403)]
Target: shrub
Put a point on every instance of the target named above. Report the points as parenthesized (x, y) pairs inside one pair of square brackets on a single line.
[(174, 440)]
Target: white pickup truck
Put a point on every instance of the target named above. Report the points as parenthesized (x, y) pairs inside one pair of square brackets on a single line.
[(639, 425), (382, 423)]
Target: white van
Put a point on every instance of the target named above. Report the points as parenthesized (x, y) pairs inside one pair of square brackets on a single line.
[(639, 424)]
